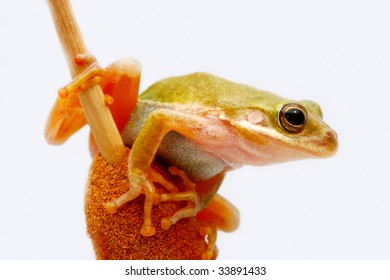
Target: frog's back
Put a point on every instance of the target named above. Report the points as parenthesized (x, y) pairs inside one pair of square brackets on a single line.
[(205, 90)]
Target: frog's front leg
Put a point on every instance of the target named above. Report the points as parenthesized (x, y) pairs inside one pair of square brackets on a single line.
[(144, 149)]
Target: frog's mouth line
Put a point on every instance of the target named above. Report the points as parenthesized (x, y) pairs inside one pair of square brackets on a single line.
[(270, 147), (321, 147)]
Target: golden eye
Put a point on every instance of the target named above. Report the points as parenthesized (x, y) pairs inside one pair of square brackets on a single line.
[(293, 117)]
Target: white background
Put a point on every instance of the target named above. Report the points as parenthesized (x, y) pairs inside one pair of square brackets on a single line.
[(333, 52)]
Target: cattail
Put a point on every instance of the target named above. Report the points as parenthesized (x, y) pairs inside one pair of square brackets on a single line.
[(117, 236)]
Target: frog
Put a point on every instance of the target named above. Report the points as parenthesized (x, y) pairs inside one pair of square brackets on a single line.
[(201, 126)]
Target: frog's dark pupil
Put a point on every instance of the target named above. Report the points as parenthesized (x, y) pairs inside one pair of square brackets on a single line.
[(295, 116)]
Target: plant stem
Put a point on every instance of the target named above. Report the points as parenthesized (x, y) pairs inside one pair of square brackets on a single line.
[(98, 116)]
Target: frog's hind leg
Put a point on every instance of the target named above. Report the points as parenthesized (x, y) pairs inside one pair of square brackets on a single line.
[(219, 212), (66, 116), (208, 229), (189, 195), (120, 84), (222, 213), (190, 210)]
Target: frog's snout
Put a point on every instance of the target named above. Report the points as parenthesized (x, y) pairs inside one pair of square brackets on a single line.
[(328, 144)]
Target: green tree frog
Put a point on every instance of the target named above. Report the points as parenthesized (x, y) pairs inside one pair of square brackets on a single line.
[(201, 126)]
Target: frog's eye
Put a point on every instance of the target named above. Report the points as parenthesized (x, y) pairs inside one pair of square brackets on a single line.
[(292, 117)]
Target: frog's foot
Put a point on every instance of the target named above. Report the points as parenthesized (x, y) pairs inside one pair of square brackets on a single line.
[(189, 185), (136, 189), (141, 182), (93, 75), (66, 116), (209, 232), (193, 205), (192, 208), (156, 177), (221, 213)]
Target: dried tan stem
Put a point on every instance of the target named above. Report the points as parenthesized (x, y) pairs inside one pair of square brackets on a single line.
[(97, 114)]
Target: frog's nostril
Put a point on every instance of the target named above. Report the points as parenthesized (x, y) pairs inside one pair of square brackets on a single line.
[(330, 134), (331, 137)]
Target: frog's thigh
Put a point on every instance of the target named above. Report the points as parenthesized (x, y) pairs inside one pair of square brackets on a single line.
[(121, 83), (222, 213)]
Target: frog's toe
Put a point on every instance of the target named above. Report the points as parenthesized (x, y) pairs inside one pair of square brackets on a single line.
[(84, 58), (111, 207), (91, 76), (114, 205), (156, 177), (187, 212), (209, 232), (166, 223), (148, 230)]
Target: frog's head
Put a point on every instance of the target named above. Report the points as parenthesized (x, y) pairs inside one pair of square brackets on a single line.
[(280, 130)]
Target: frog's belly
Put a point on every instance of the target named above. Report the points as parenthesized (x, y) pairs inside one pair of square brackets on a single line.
[(199, 165)]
